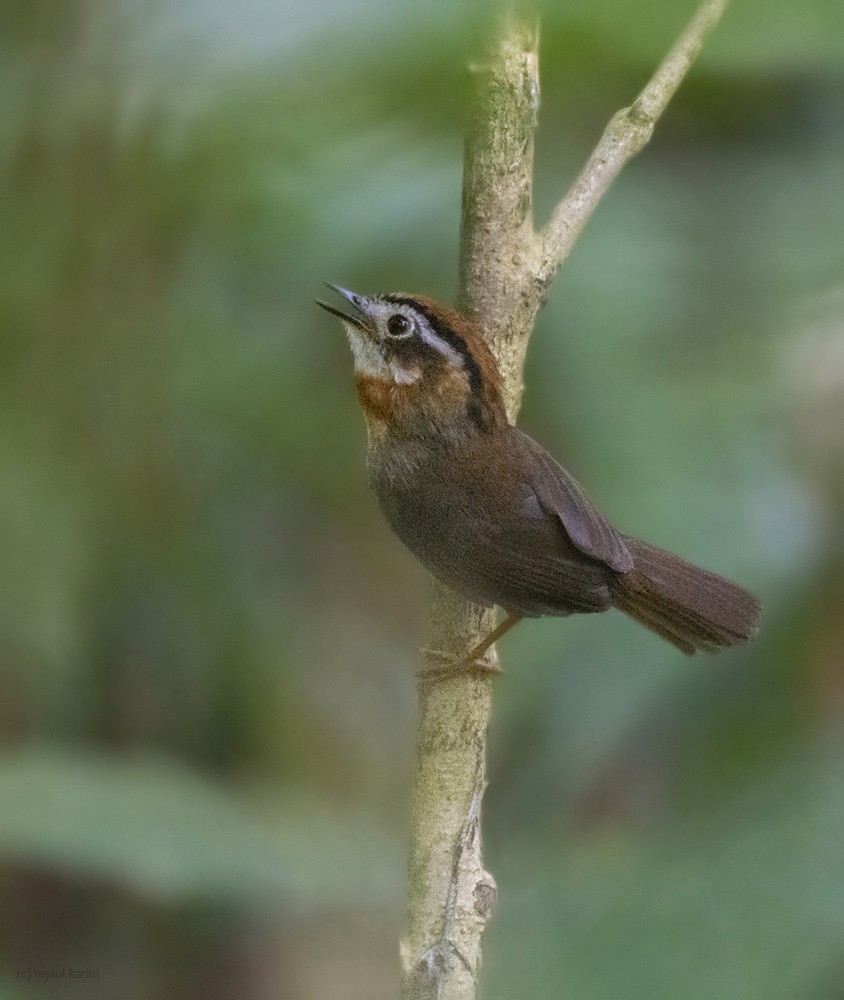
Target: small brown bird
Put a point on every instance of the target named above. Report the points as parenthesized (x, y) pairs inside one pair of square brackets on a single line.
[(486, 509)]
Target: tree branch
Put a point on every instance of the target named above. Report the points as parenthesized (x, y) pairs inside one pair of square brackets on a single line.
[(497, 284), (505, 271), (627, 133)]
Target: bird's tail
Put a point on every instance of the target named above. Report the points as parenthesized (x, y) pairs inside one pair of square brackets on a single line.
[(690, 607)]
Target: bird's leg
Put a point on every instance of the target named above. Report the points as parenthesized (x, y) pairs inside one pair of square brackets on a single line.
[(505, 626), (474, 661)]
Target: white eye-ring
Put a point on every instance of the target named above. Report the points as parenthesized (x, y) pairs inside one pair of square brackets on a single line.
[(399, 326)]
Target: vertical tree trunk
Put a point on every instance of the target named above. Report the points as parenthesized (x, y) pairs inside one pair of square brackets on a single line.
[(505, 270), (450, 894)]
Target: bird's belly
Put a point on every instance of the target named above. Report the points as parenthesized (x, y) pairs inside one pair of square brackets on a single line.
[(480, 543)]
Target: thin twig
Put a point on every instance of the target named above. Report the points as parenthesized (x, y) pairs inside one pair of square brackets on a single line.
[(628, 131)]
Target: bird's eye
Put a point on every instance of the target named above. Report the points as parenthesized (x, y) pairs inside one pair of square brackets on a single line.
[(398, 325)]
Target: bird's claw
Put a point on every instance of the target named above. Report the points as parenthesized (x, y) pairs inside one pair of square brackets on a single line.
[(453, 665)]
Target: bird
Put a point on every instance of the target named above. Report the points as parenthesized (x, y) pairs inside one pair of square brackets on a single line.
[(486, 509)]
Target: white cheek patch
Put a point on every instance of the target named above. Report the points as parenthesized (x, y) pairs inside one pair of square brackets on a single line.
[(368, 359), (404, 376)]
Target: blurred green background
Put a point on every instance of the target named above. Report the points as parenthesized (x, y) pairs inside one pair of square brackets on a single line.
[(207, 634)]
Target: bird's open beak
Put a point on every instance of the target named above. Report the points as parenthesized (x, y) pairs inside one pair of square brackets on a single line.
[(360, 302)]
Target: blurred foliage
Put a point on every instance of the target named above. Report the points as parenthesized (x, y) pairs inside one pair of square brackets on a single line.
[(170, 833), (207, 634)]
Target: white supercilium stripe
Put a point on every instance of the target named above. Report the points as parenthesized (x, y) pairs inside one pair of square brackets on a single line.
[(447, 351)]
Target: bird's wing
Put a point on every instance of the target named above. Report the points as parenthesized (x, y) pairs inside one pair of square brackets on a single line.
[(561, 495)]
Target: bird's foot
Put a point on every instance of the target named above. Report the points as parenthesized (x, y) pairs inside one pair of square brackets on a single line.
[(452, 665)]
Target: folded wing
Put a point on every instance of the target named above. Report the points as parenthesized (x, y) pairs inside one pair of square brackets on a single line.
[(562, 496)]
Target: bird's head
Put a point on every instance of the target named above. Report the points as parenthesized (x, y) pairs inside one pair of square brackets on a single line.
[(420, 366)]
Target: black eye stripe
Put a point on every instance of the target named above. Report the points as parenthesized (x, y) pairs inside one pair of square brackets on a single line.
[(410, 350), (458, 344), (445, 333)]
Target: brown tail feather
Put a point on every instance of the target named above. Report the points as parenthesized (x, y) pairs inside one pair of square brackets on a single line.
[(693, 609)]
